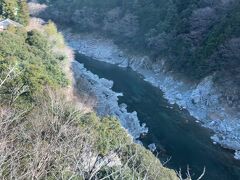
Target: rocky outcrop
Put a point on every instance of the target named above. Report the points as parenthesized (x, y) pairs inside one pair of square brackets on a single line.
[(201, 100)]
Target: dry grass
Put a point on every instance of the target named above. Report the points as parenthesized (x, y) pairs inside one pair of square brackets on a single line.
[(42, 141)]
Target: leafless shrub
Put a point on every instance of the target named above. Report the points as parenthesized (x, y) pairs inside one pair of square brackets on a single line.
[(188, 175), (11, 93)]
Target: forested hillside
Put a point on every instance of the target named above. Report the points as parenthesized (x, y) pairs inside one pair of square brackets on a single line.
[(197, 38)]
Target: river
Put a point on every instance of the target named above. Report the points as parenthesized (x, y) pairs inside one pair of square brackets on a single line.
[(175, 133)]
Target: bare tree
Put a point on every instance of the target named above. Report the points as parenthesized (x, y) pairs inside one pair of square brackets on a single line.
[(188, 175), (11, 92)]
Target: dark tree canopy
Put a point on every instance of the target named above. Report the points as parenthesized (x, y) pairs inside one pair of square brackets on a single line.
[(193, 36)]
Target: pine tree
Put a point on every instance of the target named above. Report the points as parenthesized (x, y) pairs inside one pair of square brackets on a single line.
[(15, 9), (9, 9), (1, 2), (23, 15)]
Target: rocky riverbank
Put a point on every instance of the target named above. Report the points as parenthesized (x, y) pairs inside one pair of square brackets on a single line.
[(106, 99), (201, 100)]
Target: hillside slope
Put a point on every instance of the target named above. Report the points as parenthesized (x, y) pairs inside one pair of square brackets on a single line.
[(46, 135)]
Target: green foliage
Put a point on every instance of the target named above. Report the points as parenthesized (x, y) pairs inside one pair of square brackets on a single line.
[(51, 29), (32, 58), (16, 10), (111, 135), (23, 15), (228, 27), (35, 39), (56, 38), (9, 9), (144, 164)]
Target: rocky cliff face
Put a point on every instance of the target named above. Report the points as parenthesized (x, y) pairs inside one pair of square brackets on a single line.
[(203, 100)]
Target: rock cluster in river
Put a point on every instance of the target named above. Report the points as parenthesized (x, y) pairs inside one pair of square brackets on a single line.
[(107, 100), (201, 100)]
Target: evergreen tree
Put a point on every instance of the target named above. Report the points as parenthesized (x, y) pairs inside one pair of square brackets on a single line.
[(9, 9), (23, 15), (16, 10)]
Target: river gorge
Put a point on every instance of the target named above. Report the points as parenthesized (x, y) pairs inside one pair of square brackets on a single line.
[(174, 132), (117, 89), (163, 113), (151, 116)]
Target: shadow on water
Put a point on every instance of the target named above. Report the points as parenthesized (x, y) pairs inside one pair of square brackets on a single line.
[(174, 131)]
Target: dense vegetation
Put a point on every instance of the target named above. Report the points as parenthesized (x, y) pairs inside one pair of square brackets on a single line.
[(35, 65), (197, 38), (16, 10)]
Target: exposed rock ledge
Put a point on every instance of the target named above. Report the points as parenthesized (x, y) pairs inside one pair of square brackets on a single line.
[(201, 100)]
